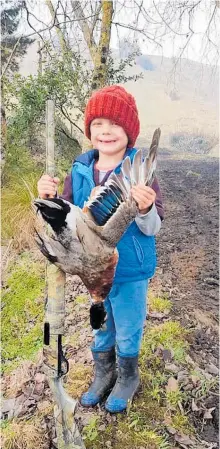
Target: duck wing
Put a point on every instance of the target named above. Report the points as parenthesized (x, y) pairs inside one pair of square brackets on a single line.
[(113, 207)]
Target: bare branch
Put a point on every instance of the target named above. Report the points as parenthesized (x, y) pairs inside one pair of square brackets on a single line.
[(66, 115), (63, 43), (31, 26), (98, 10), (67, 135), (167, 24), (129, 27), (10, 57), (49, 27), (85, 28)]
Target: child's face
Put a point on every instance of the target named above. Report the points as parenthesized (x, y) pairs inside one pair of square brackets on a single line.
[(108, 137)]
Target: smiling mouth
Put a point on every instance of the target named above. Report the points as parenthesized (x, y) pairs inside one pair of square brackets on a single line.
[(107, 141)]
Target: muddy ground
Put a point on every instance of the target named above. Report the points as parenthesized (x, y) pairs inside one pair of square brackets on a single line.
[(188, 257), (188, 241)]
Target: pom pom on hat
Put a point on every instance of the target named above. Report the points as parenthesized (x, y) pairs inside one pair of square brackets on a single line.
[(114, 103)]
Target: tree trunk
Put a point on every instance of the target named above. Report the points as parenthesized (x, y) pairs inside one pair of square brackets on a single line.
[(98, 53), (63, 43), (3, 121), (100, 69), (40, 64)]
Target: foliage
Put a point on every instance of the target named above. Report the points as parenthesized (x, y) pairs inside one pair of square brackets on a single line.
[(10, 18), (198, 143), (22, 313), (67, 81), (26, 97), (90, 432), (18, 162), (117, 71)]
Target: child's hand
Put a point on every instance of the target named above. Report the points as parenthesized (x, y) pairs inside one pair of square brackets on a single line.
[(94, 192), (144, 196), (47, 186)]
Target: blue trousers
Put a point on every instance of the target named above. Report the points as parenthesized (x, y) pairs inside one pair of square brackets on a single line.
[(126, 313)]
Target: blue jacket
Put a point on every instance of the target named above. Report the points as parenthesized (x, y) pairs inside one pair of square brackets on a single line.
[(137, 252)]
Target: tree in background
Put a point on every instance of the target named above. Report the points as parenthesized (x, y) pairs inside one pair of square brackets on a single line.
[(75, 44), (13, 48), (73, 63)]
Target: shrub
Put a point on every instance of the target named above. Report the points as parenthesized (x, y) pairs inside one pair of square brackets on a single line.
[(192, 142)]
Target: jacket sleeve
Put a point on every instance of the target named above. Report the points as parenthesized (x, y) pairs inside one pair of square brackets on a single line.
[(67, 190), (150, 223)]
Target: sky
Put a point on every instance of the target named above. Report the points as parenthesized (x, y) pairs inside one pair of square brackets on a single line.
[(173, 44), (196, 46)]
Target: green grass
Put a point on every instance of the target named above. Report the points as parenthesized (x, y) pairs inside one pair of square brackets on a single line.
[(81, 299), (18, 218), (170, 335), (90, 432), (144, 423), (126, 433), (157, 304), (22, 314)]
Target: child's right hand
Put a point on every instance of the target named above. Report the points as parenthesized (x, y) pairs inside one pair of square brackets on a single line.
[(47, 186)]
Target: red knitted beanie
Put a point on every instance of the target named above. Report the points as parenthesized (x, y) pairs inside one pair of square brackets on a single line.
[(114, 103)]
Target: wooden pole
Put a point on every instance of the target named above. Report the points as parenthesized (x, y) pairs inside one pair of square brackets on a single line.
[(68, 436)]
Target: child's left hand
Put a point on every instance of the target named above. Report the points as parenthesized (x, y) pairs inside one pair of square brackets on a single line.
[(144, 196)]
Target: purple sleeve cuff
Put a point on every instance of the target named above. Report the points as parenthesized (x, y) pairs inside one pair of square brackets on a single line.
[(67, 190), (158, 202)]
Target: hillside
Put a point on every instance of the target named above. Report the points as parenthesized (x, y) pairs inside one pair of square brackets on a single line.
[(181, 99)]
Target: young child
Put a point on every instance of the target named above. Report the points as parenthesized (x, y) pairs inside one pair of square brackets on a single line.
[(112, 125)]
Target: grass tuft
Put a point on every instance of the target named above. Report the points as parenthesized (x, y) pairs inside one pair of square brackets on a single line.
[(24, 435), (81, 299), (22, 314), (180, 422), (18, 218), (78, 379), (90, 432), (157, 304), (170, 335)]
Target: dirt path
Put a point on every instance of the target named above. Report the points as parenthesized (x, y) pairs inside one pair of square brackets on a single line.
[(188, 255), (188, 241)]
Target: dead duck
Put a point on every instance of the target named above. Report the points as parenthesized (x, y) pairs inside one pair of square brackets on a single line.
[(84, 240)]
